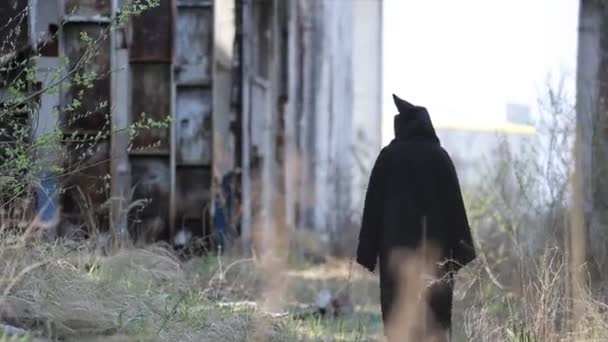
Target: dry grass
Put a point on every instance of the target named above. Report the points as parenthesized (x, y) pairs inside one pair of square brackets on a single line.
[(410, 319), (74, 292), (537, 309)]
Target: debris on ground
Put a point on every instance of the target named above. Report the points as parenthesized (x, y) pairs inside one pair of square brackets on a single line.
[(329, 305)]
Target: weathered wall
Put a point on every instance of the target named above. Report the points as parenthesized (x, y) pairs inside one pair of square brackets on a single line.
[(590, 180), (176, 60), (223, 115), (322, 109), (161, 66), (259, 74), (367, 95)]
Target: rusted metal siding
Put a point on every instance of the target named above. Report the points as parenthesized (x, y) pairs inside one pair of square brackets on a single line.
[(194, 41), (194, 126), (193, 192), (150, 178), (91, 115), (195, 3), (151, 182), (87, 165), (152, 41), (45, 27), (169, 72), (191, 156), (88, 8), (14, 31), (151, 96), (150, 56)]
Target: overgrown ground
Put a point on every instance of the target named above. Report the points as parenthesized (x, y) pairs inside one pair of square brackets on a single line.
[(72, 292), (75, 292)]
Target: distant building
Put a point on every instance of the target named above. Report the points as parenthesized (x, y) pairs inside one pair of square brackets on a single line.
[(475, 149), (519, 114)]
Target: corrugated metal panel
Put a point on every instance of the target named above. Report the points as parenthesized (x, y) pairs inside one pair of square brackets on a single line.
[(14, 31), (151, 94), (91, 115), (87, 7), (152, 34), (193, 113), (194, 41)]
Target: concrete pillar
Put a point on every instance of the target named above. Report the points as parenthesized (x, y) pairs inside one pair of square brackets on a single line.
[(119, 158), (223, 37), (367, 94)]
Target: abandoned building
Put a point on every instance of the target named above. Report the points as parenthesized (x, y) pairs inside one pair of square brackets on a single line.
[(479, 148), (274, 108)]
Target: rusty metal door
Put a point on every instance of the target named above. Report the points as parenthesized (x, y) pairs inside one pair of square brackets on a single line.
[(193, 108), (150, 62), (170, 53), (257, 113), (171, 77), (85, 110)]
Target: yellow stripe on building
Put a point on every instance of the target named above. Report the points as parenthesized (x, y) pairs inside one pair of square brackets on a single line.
[(508, 128)]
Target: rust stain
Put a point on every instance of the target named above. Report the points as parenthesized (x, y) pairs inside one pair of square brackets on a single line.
[(91, 114), (193, 126), (151, 94), (13, 25), (87, 165), (194, 41), (151, 180), (88, 7), (152, 31), (193, 192)]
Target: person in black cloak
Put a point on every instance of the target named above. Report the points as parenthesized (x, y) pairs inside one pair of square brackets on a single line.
[(414, 196)]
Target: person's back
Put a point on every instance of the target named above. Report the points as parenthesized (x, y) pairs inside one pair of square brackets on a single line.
[(414, 197)]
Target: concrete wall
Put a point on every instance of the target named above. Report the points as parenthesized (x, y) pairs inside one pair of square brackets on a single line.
[(335, 86), (321, 107), (367, 94)]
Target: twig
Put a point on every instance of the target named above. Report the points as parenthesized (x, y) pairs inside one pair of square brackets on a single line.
[(171, 314), (221, 274), (491, 275)]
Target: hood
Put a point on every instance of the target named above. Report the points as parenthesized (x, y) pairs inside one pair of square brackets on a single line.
[(413, 122)]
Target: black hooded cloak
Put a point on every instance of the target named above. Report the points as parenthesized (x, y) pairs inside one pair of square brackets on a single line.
[(414, 181)]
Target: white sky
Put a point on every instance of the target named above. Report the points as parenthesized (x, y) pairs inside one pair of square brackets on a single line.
[(465, 60)]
